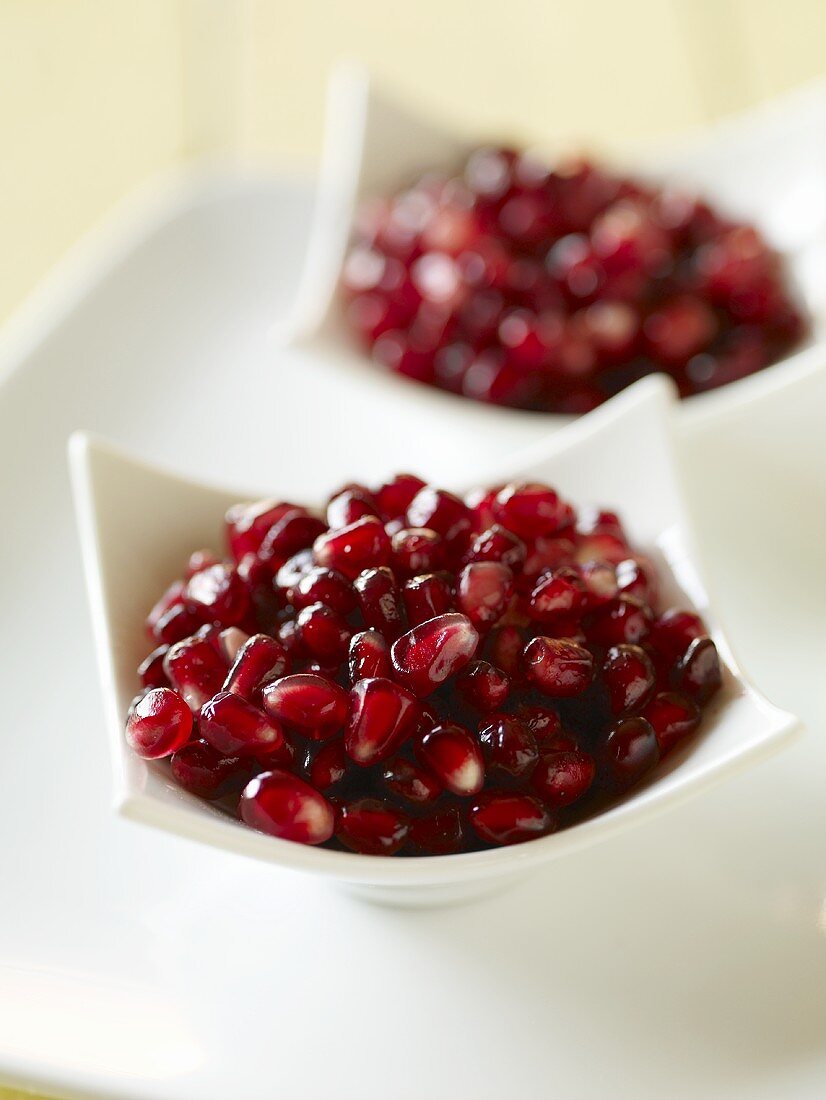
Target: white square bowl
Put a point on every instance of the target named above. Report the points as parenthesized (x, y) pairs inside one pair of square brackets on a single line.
[(766, 165), (138, 524)]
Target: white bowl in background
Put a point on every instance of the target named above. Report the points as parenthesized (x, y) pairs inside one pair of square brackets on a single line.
[(766, 165), (138, 524)]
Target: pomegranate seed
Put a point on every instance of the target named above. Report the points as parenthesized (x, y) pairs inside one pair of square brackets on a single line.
[(354, 548), (308, 703), (426, 597), (394, 497), (506, 645), (296, 531), (558, 595), (408, 780), (230, 641), (530, 510), (635, 578), (629, 677), (323, 633), (558, 667), (350, 504), (288, 637), (496, 543), (378, 598), (198, 560), (627, 753), (439, 834), (201, 770), (483, 592), (544, 724), (483, 686), (451, 753), (369, 656), (260, 660), (159, 724), (563, 777), (672, 717), (442, 512), (236, 728), (500, 818), (217, 594), (674, 631), (433, 651), (600, 580), (372, 827), (294, 568), (383, 714), (283, 805), (195, 669), (247, 524), (151, 670), (324, 586), (697, 673), (177, 623), (624, 619), (325, 765), (508, 745), (417, 550)]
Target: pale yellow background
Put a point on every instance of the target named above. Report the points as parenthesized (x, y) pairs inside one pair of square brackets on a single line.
[(97, 95)]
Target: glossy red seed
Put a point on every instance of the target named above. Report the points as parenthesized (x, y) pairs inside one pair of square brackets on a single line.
[(426, 656), (410, 781), (354, 548), (369, 656), (326, 586), (247, 524), (198, 560), (294, 568), (558, 595), (600, 581), (673, 717), (636, 578), (529, 509), (260, 660), (508, 745), (230, 640), (217, 594), (543, 723), (698, 673), (372, 827), (505, 647), (603, 548), (195, 669), (483, 592), (202, 770), (175, 624), (151, 670), (442, 512), (324, 633), (623, 619), (394, 497), (326, 764), (427, 596), (350, 504), (561, 778), (417, 550), (454, 757), (496, 543), (296, 531), (558, 667), (283, 805), (159, 724), (627, 752), (503, 818), (483, 686), (382, 716), (674, 630), (379, 602), (308, 703), (236, 728), (439, 833), (629, 678)]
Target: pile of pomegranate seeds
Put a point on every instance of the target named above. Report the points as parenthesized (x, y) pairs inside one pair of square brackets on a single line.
[(553, 290), (418, 674)]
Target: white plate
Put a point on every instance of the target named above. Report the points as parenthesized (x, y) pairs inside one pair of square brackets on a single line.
[(684, 959)]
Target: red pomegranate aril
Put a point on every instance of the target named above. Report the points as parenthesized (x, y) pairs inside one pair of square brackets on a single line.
[(202, 770), (283, 805), (159, 724), (230, 640), (558, 595), (426, 597), (288, 637), (394, 497), (294, 568), (505, 647), (629, 678), (354, 548), (627, 753), (195, 669), (440, 833), (308, 703), (410, 781), (417, 550), (635, 578), (350, 504), (247, 524), (325, 586), (673, 717), (483, 686), (198, 560), (508, 745), (483, 592), (323, 633), (259, 660), (530, 510), (561, 778), (600, 580), (624, 619), (378, 597), (175, 624), (454, 757), (382, 716), (172, 598), (442, 512), (544, 724), (498, 544), (558, 667), (296, 531), (326, 764), (501, 818), (217, 594), (369, 656), (426, 656), (372, 827), (236, 728), (151, 670), (698, 673), (675, 630)]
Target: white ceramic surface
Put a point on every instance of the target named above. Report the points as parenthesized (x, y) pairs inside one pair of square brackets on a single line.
[(685, 958), (766, 165)]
